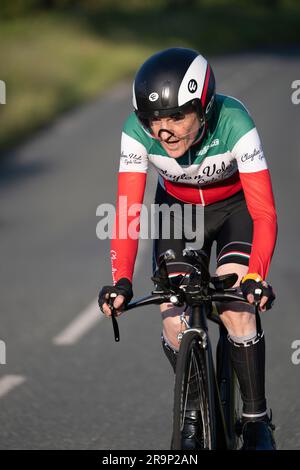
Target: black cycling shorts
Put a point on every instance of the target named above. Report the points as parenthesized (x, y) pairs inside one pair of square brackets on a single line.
[(227, 222)]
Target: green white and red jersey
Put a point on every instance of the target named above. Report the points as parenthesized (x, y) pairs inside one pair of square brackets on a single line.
[(228, 159)]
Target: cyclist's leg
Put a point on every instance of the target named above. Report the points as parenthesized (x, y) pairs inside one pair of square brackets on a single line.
[(170, 314), (247, 341), (172, 325), (244, 323)]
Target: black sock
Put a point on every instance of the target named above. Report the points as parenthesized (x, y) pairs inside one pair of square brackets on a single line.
[(248, 359), (170, 353)]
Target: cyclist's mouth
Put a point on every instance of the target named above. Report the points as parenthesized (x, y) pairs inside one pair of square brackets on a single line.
[(173, 142)]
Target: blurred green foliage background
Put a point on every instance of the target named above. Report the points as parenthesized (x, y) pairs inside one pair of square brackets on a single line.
[(57, 53)]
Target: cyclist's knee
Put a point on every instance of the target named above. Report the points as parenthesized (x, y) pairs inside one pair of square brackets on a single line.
[(172, 324), (229, 268), (238, 318)]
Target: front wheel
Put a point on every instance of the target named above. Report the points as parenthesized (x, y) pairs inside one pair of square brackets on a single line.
[(229, 392), (194, 377)]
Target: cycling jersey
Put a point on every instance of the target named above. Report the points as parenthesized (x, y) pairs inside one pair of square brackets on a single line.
[(227, 160)]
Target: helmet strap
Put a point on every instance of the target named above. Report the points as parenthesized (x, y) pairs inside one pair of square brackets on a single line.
[(201, 133)]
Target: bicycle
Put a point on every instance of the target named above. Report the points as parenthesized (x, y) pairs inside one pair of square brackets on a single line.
[(217, 389)]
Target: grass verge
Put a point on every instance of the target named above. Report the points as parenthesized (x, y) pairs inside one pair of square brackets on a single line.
[(53, 61)]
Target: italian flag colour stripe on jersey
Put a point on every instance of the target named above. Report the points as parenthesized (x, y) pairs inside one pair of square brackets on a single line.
[(234, 253)]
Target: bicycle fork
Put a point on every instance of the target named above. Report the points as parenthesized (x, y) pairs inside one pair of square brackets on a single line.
[(199, 325)]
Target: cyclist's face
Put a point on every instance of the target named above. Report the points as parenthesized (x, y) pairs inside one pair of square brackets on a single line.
[(176, 133)]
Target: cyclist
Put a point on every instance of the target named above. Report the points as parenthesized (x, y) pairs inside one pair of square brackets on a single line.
[(207, 152)]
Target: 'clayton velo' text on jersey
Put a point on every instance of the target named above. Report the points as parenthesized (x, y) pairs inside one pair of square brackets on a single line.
[(228, 159)]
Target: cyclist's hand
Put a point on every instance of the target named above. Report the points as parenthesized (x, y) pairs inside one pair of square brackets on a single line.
[(106, 307), (250, 283), (122, 293)]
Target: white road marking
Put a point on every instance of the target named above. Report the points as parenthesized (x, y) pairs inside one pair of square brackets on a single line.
[(9, 382), (86, 320), (89, 317)]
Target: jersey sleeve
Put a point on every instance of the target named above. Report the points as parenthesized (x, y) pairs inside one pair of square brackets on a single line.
[(130, 195), (257, 187)]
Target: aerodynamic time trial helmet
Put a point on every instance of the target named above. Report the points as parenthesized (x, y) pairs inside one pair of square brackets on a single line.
[(171, 81)]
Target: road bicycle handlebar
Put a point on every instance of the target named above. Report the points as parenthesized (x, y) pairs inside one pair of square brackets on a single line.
[(162, 297), (159, 298), (195, 292)]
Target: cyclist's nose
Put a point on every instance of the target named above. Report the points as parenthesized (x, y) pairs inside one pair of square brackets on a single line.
[(165, 129)]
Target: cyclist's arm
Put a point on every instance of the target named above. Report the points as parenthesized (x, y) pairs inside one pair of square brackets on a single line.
[(257, 187), (131, 187)]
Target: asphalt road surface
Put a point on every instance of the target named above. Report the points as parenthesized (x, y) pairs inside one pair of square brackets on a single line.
[(66, 384)]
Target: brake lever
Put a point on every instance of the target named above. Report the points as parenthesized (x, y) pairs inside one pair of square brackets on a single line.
[(113, 317)]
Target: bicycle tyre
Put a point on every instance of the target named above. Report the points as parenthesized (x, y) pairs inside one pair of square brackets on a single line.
[(192, 354), (230, 393), (236, 412)]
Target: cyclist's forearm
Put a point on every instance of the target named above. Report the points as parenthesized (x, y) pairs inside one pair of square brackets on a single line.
[(123, 255), (124, 244), (260, 202), (264, 239)]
